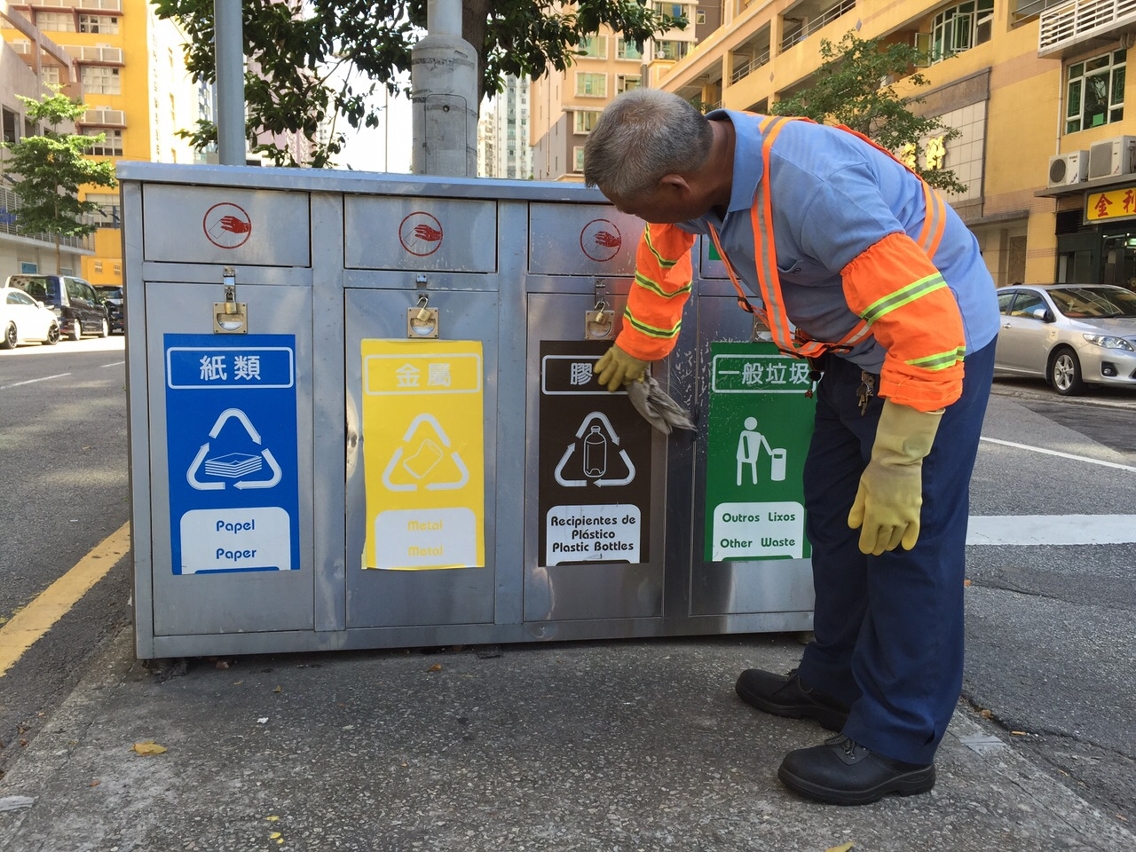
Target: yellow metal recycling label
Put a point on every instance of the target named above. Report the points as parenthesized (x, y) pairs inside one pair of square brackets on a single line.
[(424, 454)]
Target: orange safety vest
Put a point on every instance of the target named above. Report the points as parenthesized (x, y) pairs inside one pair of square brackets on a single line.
[(765, 254)]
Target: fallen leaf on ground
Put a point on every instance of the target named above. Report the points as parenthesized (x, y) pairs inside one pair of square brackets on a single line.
[(95, 783), (149, 747), (278, 689), (843, 847), (437, 667), (222, 664), (273, 818), (274, 835), (1018, 733)]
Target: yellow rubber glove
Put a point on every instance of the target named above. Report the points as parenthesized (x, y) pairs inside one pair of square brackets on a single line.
[(616, 368), (890, 495)]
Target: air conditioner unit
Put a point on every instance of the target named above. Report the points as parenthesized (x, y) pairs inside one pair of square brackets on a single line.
[(1112, 157), (1067, 169)]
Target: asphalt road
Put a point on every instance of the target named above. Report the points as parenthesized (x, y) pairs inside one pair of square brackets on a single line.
[(63, 489), (1051, 650)]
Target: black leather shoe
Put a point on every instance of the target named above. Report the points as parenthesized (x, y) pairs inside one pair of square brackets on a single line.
[(842, 772), (785, 695)]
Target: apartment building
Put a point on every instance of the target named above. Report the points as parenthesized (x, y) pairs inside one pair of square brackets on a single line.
[(19, 250), (565, 106), (128, 68), (503, 133)]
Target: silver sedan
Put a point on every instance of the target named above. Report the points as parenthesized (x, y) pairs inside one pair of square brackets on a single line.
[(1070, 334)]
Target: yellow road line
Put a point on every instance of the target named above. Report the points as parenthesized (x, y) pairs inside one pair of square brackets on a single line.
[(34, 620)]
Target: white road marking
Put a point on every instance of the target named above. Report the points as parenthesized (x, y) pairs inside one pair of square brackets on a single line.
[(115, 364), (33, 381), (1051, 529), (1061, 455)]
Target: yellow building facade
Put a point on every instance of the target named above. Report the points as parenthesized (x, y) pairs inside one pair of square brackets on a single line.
[(129, 72)]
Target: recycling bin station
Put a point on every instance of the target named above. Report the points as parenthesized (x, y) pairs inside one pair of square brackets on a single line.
[(363, 414)]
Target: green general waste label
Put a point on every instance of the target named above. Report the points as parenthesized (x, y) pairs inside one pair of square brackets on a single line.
[(761, 422)]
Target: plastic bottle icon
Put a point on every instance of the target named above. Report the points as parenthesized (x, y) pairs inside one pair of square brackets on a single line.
[(595, 453)]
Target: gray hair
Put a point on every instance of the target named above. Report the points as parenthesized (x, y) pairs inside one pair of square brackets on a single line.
[(643, 135)]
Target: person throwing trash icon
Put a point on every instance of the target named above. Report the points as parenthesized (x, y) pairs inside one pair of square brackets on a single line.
[(750, 443)]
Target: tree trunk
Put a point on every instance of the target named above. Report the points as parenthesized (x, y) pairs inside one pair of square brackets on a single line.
[(58, 255)]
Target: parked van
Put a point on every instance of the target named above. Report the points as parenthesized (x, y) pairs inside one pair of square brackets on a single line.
[(73, 300)]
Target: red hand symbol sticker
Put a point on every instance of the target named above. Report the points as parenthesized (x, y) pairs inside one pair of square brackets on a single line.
[(420, 234), (608, 239), (226, 225), (234, 225), (600, 240)]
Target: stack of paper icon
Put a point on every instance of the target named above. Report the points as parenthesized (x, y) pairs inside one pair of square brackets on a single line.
[(233, 465)]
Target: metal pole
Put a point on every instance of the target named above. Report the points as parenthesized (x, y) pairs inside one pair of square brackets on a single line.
[(228, 43)]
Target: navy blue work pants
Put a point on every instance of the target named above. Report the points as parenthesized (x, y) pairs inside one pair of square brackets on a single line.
[(889, 629)]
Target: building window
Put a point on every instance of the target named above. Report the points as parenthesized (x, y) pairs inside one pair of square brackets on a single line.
[(585, 122), (11, 126), (578, 158), (1095, 92), (59, 22), (591, 85), (675, 10), (98, 267), (625, 49), (626, 82), (100, 80), (594, 47), (109, 214), (27, 268), (98, 24), (961, 28), (50, 74), (674, 50), (109, 147), (700, 17), (118, 269)]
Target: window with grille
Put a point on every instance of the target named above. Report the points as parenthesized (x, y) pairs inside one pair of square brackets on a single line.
[(1094, 92), (59, 22), (50, 74), (591, 85), (960, 28), (99, 80), (109, 147), (98, 24), (578, 158)]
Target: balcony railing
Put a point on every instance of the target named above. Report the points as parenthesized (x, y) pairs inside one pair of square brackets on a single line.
[(811, 26), (10, 224), (103, 118), (1079, 21), (93, 55), (748, 68), (82, 5)]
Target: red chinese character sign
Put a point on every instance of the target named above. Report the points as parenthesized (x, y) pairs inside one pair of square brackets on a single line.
[(226, 225), (1114, 203), (420, 234)]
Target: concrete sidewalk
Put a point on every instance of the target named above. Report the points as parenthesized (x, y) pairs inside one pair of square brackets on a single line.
[(597, 746)]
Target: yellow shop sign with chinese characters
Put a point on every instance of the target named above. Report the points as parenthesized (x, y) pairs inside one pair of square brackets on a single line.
[(424, 454), (1116, 203)]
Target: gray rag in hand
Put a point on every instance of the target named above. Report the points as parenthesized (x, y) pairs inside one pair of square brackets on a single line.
[(657, 408)]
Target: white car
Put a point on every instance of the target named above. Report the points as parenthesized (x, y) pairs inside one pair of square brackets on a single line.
[(24, 320)]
